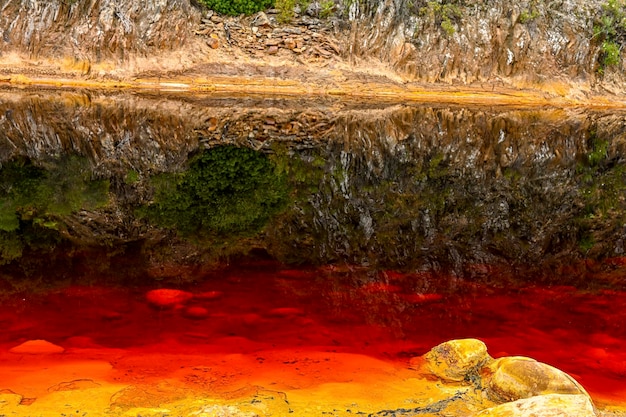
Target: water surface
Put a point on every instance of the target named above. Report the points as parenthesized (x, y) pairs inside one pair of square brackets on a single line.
[(313, 225)]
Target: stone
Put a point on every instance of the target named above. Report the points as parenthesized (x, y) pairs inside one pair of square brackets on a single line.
[(37, 347), (213, 41), (272, 50), (209, 295), (286, 312), (290, 43), (261, 20), (166, 297), (516, 378), (456, 359), (551, 405)]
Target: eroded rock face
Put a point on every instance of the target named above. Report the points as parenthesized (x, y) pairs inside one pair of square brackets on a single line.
[(527, 42), (92, 30), (551, 405), (549, 45)]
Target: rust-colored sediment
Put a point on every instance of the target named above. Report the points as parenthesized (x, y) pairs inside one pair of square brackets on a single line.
[(369, 91), (101, 382)]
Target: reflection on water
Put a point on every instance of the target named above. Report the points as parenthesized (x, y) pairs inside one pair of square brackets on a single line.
[(424, 187), (106, 197)]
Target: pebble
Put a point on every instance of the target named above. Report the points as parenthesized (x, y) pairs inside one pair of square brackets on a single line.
[(196, 312), (286, 312), (213, 43)]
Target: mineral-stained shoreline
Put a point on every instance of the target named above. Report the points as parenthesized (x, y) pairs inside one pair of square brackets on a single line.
[(456, 378)]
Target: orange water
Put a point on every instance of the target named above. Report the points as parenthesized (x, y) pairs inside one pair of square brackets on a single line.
[(263, 307)]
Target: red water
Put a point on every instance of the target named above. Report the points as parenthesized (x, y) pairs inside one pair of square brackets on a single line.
[(388, 315)]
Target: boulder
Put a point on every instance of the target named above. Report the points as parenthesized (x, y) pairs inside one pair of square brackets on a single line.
[(456, 359), (516, 378), (551, 405)]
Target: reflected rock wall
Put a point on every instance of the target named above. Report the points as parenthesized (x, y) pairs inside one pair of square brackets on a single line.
[(432, 187)]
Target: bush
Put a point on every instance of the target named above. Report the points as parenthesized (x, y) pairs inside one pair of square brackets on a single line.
[(610, 51), (237, 7), (444, 14), (609, 31)]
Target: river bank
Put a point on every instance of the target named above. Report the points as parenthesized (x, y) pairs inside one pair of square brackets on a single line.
[(494, 55)]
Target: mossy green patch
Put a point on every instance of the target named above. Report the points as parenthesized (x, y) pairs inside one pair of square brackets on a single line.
[(227, 192), (37, 198)]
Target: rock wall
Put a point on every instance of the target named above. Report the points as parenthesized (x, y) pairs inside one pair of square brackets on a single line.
[(531, 42), (92, 30)]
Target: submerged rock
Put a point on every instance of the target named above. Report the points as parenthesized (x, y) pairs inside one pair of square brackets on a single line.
[(37, 347)]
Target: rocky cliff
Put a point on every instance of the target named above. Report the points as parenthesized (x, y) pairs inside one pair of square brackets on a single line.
[(565, 47)]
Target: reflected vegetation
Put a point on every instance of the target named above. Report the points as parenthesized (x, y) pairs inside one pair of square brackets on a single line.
[(407, 187), (37, 199), (227, 193)]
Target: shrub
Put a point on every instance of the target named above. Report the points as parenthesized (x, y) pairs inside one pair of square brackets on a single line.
[(611, 55), (610, 31), (237, 7), (443, 14)]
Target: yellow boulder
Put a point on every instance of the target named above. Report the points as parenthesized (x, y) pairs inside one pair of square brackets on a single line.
[(455, 360)]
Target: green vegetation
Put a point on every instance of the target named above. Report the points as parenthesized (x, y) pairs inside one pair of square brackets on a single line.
[(610, 31), (237, 7), (327, 9), (227, 193), (443, 13), (602, 188), (611, 52), (530, 14), (286, 9), (35, 201), (132, 177)]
